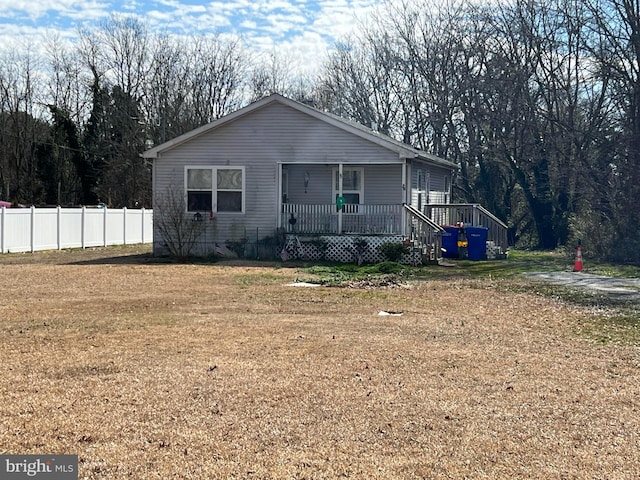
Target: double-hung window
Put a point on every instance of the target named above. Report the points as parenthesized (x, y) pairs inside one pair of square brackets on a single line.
[(215, 189)]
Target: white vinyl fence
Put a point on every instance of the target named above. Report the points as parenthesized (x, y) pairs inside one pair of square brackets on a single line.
[(31, 229)]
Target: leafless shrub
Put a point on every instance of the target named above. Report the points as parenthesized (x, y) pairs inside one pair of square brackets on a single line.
[(179, 230)]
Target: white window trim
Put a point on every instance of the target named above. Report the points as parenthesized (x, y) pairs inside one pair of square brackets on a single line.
[(214, 175), (335, 192)]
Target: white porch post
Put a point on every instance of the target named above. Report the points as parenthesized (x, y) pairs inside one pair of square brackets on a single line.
[(279, 193), (406, 189), (339, 195)]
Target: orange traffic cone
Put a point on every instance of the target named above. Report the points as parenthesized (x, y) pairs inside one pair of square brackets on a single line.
[(577, 266)]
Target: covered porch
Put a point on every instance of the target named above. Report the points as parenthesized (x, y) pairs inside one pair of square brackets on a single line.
[(385, 202), (421, 228), (344, 198)]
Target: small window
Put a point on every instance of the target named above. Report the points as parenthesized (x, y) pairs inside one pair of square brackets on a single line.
[(351, 198)]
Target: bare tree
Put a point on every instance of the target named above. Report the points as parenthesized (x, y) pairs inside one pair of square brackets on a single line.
[(215, 80), (508, 91), (125, 53), (617, 59), (69, 80), (117, 55), (166, 106), (274, 72), (179, 230), (22, 133)]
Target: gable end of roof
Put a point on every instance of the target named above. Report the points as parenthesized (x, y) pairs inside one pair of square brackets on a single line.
[(361, 131)]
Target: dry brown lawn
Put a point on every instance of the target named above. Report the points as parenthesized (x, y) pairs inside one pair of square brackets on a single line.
[(148, 370)]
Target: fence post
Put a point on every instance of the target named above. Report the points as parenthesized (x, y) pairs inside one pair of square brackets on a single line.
[(2, 229), (124, 225), (33, 229), (142, 220), (82, 213), (58, 227), (104, 226)]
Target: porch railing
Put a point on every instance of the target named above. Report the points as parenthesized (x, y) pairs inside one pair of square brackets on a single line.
[(425, 234), (472, 214), (322, 219), (356, 219)]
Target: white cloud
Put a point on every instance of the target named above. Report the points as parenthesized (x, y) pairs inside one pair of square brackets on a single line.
[(338, 18), (232, 8), (280, 25), (306, 52), (34, 10), (248, 25), (26, 40), (303, 29), (182, 8)]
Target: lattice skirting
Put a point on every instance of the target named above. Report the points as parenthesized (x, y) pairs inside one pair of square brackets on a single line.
[(343, 248)]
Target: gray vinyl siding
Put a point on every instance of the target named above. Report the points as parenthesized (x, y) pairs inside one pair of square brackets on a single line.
[(437, 193), (260, 197), (319, 188), (435, 184), (382, 184), (261, 139)]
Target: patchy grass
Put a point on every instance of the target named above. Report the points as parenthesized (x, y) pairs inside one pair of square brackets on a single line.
[(606, 318), (517, 263), (611, 319), (337, 275), (611, 328), (149, 370)]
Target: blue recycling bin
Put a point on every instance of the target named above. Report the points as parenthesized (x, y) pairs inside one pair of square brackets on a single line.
[(477, 238), (450, 242)]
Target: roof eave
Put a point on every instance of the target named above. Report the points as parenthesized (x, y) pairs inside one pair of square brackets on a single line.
[(436, 160)]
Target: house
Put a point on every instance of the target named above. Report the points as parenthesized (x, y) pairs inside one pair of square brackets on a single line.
[(326, 186)]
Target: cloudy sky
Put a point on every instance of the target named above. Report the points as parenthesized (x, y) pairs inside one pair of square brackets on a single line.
[(299, 29)]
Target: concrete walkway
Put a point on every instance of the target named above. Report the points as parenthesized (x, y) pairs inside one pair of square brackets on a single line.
[(621, 288)]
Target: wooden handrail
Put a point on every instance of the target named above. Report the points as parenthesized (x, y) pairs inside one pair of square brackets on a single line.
[(423, 218)]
